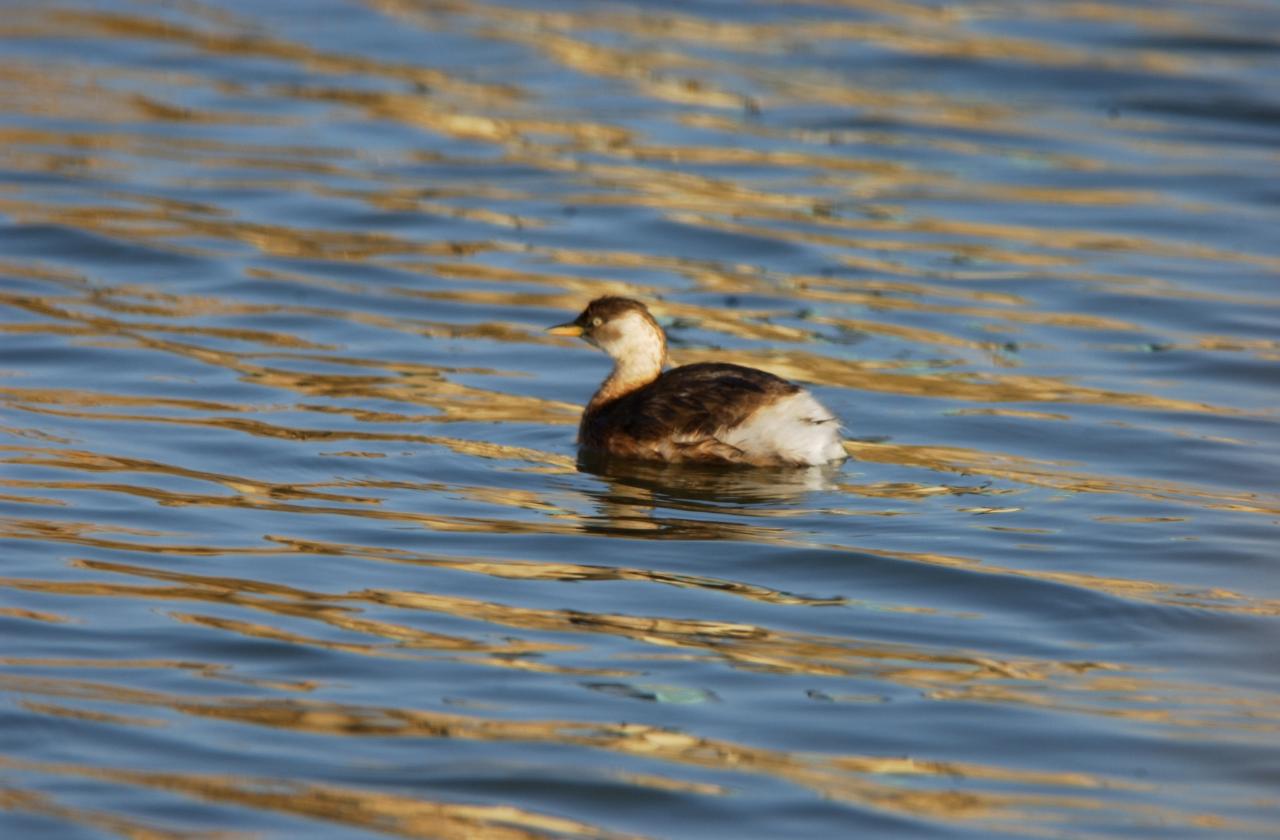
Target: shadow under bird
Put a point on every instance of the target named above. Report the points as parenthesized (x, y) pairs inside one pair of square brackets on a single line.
[(710, 412)]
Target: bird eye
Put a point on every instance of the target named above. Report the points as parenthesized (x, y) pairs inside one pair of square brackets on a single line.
[(597, 321)]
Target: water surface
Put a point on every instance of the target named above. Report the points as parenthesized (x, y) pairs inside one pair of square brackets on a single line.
[(295, 540)]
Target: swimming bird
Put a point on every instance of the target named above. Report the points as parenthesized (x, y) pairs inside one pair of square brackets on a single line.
[(710, 412)]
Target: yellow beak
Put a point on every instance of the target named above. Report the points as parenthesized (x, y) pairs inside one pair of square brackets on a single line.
[(566, 329)]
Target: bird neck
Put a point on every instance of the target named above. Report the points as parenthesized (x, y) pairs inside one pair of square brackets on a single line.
[(630, 372)]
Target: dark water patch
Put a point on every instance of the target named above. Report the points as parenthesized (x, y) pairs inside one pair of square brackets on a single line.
[(78, 247), (1217, 43)]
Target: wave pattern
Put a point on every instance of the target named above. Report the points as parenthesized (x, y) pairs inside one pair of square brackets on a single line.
[(294, 534)]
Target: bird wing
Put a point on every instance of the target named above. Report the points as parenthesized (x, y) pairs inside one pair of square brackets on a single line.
[(690, 405)]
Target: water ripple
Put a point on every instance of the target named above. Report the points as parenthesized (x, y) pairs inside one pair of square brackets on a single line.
[(295, 536)]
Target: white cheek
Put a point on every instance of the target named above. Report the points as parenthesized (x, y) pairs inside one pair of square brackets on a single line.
[(630, 335)]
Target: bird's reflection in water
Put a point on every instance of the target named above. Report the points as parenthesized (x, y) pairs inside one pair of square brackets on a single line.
[(634, 492)]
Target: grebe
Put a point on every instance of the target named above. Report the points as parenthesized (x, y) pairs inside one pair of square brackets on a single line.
[(709, 412)]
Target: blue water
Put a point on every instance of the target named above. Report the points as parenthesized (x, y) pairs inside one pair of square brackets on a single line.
[(296, 541)]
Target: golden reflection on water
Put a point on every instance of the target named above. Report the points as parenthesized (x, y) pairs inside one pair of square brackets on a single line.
[(15, 799), (858, 779), (1042, 474), (402, 816), (466, 110), (416, 383), (1065, 686), (954, 294), (628, 509)]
